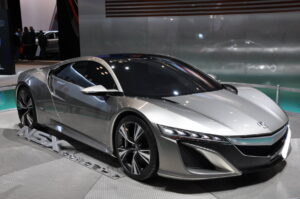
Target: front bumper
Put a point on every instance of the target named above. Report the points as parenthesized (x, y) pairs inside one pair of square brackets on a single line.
[(197, 160)]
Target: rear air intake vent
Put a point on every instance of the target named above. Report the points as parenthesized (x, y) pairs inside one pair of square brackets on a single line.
[(147, 8)]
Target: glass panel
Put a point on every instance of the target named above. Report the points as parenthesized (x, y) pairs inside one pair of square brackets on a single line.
[(93, 73), (160, 77)]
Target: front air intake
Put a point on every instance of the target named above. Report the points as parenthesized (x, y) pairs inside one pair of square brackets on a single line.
[(192, 159)]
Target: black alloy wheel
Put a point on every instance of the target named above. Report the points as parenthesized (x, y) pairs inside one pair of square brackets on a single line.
[(26, 108), (135, 147)]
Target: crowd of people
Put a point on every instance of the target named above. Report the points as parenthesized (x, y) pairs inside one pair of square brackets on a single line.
[(26, 44)]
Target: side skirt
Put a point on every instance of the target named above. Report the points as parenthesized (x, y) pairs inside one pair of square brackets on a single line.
[(81, 138)]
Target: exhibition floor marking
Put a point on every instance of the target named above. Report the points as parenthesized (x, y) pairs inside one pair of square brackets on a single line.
[(66, 150)]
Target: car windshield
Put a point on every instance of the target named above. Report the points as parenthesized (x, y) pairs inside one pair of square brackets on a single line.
[(158, 77)]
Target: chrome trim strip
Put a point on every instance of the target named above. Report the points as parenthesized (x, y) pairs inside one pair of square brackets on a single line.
[(261, 140)]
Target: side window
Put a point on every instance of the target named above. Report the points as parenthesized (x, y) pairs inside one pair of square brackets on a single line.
[(86, 74), (95, 74), (66, 73)]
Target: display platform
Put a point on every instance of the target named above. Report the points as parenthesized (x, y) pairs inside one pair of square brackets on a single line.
[(32, 170)]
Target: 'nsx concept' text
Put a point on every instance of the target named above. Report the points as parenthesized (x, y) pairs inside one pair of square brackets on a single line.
[(157, 115)]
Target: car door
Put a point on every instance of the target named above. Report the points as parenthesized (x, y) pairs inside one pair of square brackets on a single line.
[(79, 112)]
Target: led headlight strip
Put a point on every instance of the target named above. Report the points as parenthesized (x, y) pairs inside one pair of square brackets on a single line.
[(184, 134)]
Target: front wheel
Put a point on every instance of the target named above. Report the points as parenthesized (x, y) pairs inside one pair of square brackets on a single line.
[(136, 149), (26, 108)]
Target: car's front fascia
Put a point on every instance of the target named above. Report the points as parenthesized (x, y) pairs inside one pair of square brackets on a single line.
[(198, 155), (214, 152), (190, 158)]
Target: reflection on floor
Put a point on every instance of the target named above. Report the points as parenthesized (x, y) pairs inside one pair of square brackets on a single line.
[(31, 171)]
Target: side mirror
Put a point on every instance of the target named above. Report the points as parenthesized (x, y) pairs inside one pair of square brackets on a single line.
[(213, 76), (99, 89), (230, 88)]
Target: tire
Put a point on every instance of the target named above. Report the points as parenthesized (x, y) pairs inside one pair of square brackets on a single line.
[(26, 108), (135, 148)]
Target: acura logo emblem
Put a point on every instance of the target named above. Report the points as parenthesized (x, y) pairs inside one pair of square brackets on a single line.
[(262, 124)]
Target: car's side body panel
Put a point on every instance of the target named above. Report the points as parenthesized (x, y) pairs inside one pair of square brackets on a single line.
[(72, 107), (36, 80), (62, 106), (90, 115)]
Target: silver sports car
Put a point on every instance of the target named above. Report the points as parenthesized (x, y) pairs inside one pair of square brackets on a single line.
[(157, 115)]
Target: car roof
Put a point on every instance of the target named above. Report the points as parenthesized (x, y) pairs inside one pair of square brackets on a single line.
[(129, 55)]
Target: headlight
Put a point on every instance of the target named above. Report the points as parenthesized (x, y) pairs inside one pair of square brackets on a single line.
[(184, 134)]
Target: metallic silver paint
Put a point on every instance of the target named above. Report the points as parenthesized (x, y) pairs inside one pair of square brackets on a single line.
[(62, 106)]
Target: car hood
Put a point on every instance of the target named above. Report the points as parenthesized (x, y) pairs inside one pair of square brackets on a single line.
[(224, 113)]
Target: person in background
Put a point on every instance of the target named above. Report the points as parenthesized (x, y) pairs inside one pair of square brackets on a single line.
[(19, 33), (43, 43), (26, 40), (17, 43), (33, 45)]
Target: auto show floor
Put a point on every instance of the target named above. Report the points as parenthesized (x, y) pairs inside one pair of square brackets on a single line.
[(32, 171)]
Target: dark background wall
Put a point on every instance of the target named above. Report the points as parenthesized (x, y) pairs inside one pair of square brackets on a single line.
[(68, 25), (14, 11), (10, 20)]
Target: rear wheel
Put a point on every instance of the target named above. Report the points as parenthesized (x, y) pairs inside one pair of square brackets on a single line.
[(135, 147), (26, 108)]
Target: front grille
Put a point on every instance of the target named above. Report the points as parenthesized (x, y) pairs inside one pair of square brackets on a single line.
[(263, 150)]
